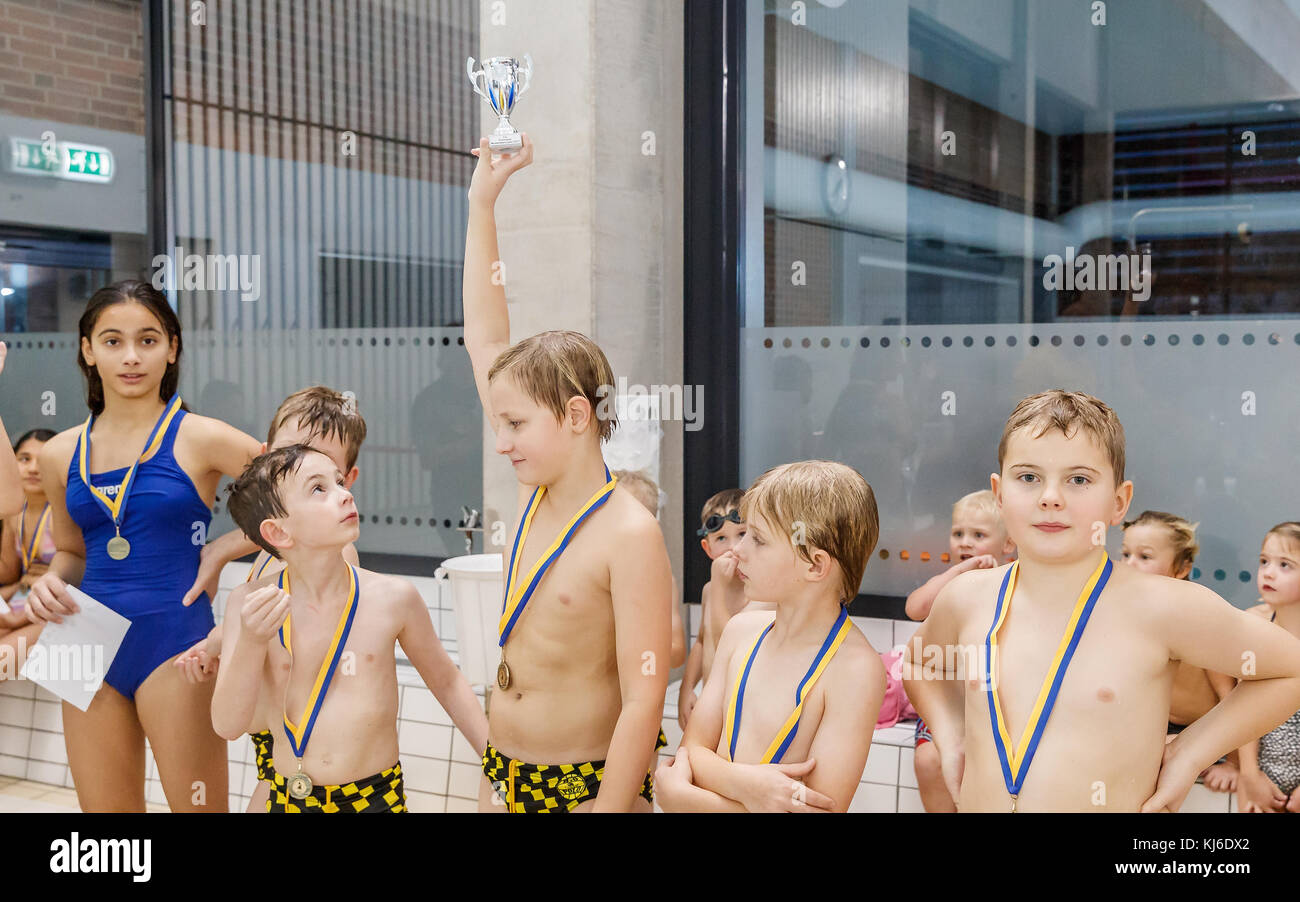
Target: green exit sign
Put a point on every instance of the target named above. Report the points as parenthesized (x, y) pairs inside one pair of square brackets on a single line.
[(61, 160)]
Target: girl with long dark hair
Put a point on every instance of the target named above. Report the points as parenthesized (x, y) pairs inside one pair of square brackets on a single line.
[(131, 492)]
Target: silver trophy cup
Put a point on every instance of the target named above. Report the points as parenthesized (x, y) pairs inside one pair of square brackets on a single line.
[(501, 81)]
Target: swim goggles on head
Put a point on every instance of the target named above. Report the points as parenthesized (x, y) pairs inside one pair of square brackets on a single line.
[(716, 521)]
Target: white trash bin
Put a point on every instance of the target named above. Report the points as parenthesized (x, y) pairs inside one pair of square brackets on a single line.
[(476, 588)]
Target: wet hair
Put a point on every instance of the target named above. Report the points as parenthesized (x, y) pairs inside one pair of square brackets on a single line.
[(41, 435), (1068, 411), (1182, 534), (325, 413), (828, 505), (255, 496), (121, 293), (553, 367)]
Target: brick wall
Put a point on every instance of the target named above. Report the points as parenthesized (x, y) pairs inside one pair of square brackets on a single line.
[(73, 61)]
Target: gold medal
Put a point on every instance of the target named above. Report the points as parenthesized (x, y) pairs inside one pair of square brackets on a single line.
[(503, 674), (1013, 804), (118, 548), (300, 784)]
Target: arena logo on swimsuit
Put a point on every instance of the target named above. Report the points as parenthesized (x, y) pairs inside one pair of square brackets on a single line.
[(102, 856)]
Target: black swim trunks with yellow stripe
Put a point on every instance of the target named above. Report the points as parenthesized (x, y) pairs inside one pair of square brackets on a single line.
[(381, 794), (551, 788)]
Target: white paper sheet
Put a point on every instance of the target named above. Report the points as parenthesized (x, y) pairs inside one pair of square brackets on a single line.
[(71, 658)]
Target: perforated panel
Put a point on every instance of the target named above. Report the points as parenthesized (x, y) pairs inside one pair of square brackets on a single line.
[(1209, 408)]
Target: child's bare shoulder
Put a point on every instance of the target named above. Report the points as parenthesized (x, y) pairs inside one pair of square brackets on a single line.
[(746, 624), (953, 600), (1161, 597), (1263, 610), (384, 588), (857, 663), (58, 450), (629, 521)]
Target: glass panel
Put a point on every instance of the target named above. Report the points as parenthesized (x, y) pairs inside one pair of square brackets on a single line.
[(318, 174), (969, 203)]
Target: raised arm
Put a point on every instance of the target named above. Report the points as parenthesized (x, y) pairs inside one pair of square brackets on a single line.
[(487, 321), (922, 599), (445, 680)]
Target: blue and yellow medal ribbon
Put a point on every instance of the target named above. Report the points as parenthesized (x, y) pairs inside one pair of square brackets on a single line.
[(115, 505), (299, 736), (255, 571), (777, 748), (517, 594), (1015, 765), (29, 549)]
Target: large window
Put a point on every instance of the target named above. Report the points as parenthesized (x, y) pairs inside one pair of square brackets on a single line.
[(962, 204), (319, 152)]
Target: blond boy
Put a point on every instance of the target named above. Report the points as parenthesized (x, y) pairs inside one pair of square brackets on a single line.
[(585, 634), (811, 527), (1113, 634)]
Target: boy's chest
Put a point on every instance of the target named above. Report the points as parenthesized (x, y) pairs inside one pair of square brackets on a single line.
[(572, 580), (1106, 672), (769, 701), (354, 666)]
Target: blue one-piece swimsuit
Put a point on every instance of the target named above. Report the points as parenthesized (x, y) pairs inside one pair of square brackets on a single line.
[(165, 521)]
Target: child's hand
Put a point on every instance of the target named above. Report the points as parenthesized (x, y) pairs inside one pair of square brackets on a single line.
[(4, 352), (195, 664), (49, 600), (686, 700), (982, 562), (1220, 778), (723, 567), (671, 776), (1293, 803), (1173, 783), (1256, 793), (264, 612), (490, 175), (952, 762), (777, 788)]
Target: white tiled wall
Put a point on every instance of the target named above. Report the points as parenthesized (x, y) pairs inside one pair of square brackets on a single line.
[(441, 770)]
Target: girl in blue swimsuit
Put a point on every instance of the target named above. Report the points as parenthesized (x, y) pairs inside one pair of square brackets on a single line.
[(131, 491)]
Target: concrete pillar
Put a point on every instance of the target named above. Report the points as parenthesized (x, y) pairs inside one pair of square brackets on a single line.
[(591, 233)]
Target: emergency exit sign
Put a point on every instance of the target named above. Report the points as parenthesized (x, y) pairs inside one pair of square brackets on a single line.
[(61, 160)]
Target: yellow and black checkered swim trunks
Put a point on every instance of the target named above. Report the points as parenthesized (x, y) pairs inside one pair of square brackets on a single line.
[(551, 788), (380, 794), (263, 743)]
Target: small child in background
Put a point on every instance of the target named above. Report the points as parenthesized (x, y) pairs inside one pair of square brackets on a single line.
[(644, 489), (723, 596), (978, 540), (1165, 544), (26, 549), (1270, 766)]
